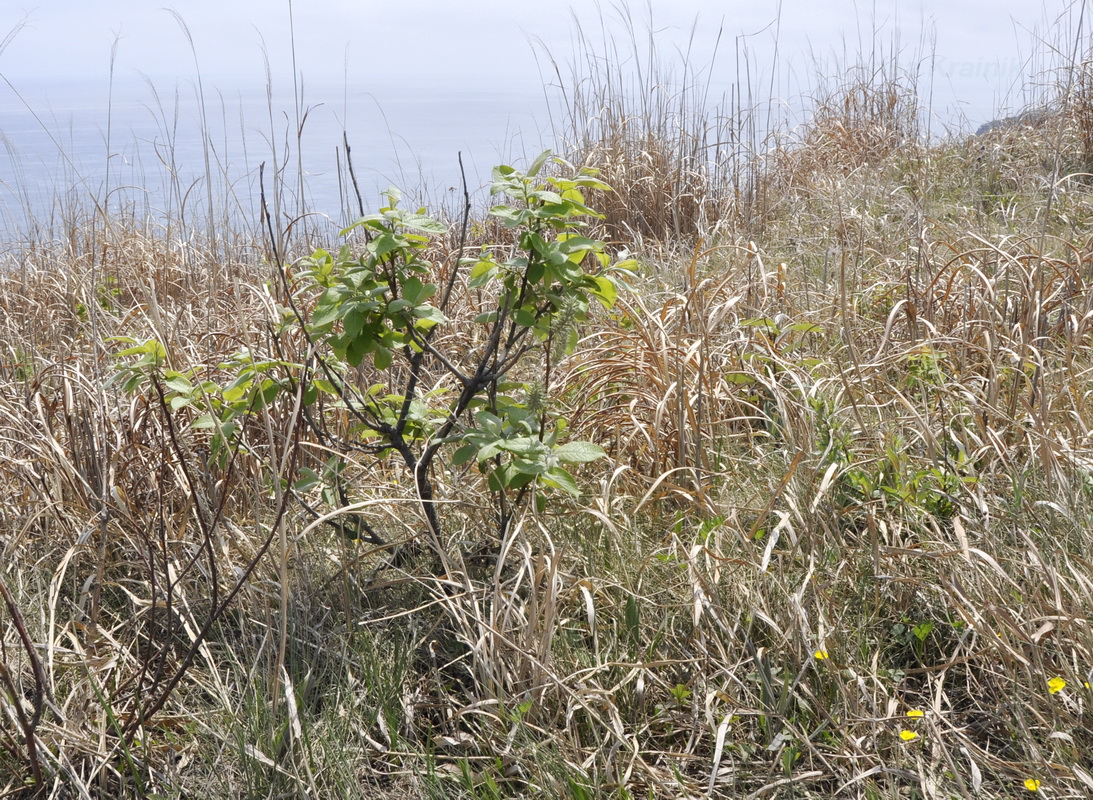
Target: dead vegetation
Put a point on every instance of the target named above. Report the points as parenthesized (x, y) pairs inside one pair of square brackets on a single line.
[(842, 547)]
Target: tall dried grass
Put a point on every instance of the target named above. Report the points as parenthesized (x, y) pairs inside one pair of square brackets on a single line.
[(851, 446)]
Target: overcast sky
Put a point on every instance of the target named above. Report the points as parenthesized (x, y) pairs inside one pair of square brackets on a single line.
[(980, 46)]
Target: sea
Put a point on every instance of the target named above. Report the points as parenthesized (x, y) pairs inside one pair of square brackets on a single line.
[(189, 151), (155, 151)]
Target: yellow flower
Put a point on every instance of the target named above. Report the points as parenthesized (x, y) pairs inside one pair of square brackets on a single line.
[(908, 736), (1032, 784), (820, 655), (914, 712), (1056, 685)]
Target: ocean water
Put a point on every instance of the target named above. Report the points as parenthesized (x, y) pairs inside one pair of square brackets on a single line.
[(174, 151), (66, 147)]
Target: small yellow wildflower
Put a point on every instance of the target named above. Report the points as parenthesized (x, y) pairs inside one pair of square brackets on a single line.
[(908, 736), (1032, 784), (914, 712), (1056, 685), (820, 655)]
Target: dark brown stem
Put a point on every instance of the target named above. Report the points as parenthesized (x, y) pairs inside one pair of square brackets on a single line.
[(41, 685)]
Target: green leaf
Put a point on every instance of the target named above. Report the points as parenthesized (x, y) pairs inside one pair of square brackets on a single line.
[(417, 292), (486, 452), (538, 163), (237, 389), (326, 313), (387, 243), (430, 314), (309, 480), (383, 358), (606, 291), (527, 466), (523, 317), (464, 454), (511, 216), (357, 348), (632, 616), (178, 383), (579, 452), (482, 273), (148, 348), (353, 323), (488, 422), (518, 480), (421, 222), (558, 478), (523, 446), (548, 196)]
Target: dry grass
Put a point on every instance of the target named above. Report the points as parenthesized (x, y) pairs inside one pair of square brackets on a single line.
[(851, 452)]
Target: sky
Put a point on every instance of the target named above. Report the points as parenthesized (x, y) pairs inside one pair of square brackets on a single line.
[(980, 47)]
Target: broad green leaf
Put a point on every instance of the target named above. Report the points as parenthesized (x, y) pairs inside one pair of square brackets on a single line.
[(488, 451), (548, 196), (178, 383), (560, 479), (309, 480), (537, 164), (517, 479), (579, 452), (150, 347), (482, 273), (464, 454), (523, 317), (416, 292), (387, 243), (353, 323), (383, 358), (326, 313), (527, 466), (369, 221), (511, 216), (237, 389), (489, 422), (523, 446), (606, 291), (358, 348), (421, 222), (430, 313)]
